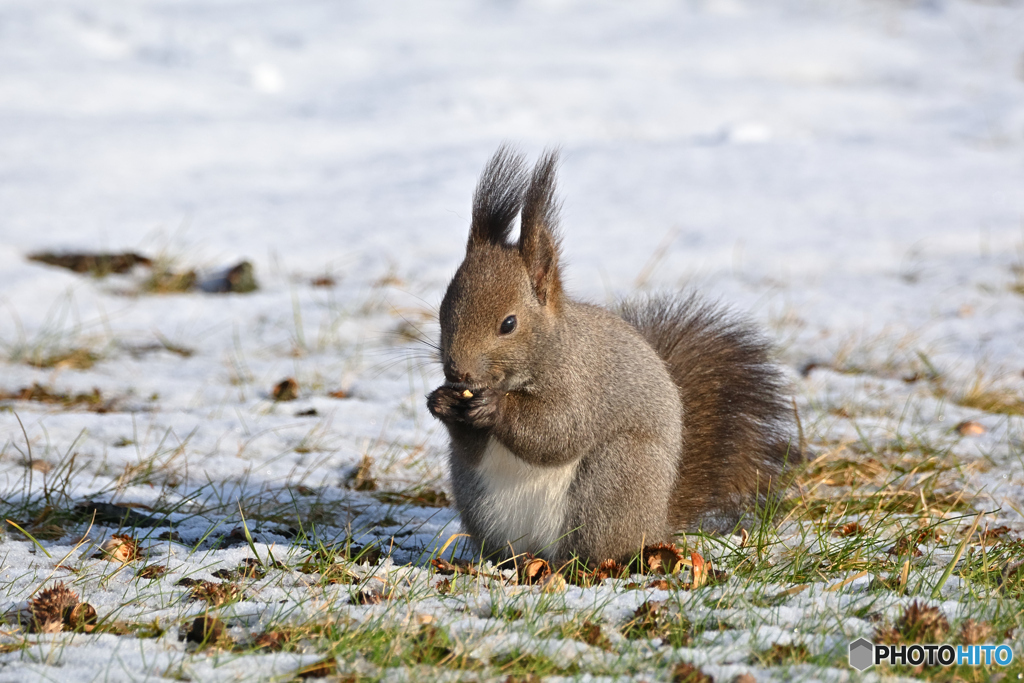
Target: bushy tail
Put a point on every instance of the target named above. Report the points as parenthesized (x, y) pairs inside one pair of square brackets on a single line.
[(738, 434)]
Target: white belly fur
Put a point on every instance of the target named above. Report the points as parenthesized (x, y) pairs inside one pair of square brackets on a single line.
[(524, 504)]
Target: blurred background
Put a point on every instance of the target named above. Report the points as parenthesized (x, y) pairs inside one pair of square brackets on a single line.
[(838, 168), (225, 226), (785, 138)]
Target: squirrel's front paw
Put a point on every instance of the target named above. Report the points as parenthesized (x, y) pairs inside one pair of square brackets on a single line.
[(444, 404), (481, 411)]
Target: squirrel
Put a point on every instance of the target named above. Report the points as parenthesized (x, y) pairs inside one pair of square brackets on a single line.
[(582, 432)]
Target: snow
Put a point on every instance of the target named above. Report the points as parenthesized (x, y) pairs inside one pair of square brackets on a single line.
[(851, 173)]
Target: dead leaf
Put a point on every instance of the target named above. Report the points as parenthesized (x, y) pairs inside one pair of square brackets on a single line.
[(684, 672), (286, 390), (151, 571), (271, 640), (906, 545), (700, 570), (322, 669), (591, 634), (970, 428), (98, 264), (360, 478), (372, 596), (992, 536), (214, 594), (205, 630)]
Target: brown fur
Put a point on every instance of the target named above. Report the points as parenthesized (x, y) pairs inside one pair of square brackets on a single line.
[(623, 429), (737, 426)]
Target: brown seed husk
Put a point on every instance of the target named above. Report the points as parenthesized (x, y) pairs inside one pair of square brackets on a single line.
[(610, 569), (82, 617), (923, 623), (975, 633), (919, 623), (662, 558), (120, 548), (49, 608), (534, 570)]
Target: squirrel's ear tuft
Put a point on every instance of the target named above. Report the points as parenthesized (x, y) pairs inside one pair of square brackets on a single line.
[(538, 239), (498, 198)]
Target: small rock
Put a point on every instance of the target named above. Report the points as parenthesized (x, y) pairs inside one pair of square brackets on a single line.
[(240, 279)]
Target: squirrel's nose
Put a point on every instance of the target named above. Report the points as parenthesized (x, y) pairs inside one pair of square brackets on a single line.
[(454, 373)]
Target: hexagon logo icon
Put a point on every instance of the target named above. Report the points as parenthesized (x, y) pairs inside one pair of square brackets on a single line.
[(861, 654)]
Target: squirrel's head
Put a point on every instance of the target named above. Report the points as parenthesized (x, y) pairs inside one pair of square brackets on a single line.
[(505, 297)]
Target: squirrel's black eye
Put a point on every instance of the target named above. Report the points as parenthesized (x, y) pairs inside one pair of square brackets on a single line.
[(508, 324)]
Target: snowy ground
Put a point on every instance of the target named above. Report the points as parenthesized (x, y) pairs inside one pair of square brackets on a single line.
[(849, 172)]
